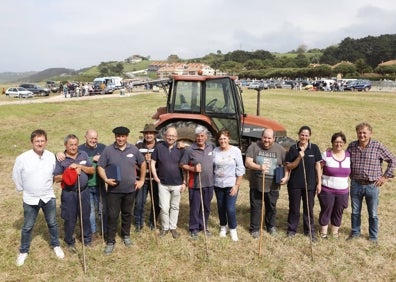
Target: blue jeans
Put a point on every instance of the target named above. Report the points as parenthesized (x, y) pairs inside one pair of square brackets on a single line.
[(96, 205), (226, 207), (30, 214), (371, 193), (140, 202)]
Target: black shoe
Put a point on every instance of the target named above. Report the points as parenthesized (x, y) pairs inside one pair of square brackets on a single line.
[(291, 234), (72, 248), (208, 233), (272, 230), (352, 237), (151, 225), (194, 235), (163, 233), (138, 228), (109, 248), (127, 241), (174, 233), (255, 234)]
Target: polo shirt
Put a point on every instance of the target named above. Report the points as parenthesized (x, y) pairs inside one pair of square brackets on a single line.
[(193, 155), (127, 160), (83, 159), (167, 164), (311, 157)]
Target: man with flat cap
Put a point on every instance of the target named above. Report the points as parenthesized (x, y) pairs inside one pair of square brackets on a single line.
[(117, 167)]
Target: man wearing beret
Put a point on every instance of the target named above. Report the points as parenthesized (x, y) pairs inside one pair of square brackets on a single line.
[(122, 184), (73, 172)]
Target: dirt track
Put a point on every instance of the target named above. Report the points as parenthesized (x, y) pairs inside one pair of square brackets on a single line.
[(61, 98)]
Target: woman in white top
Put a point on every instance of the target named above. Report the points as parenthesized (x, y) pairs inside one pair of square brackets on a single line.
[(228, 173), (333, 197)]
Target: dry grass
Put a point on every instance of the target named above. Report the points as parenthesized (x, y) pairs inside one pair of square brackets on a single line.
[(184, 259)]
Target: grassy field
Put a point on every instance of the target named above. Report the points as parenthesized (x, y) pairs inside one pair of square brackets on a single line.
[(184, 259)]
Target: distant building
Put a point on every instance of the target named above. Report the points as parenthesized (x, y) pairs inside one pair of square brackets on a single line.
[(135, 59), (164, 69)]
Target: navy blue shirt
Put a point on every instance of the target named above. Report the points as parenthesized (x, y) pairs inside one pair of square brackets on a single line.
[(83, 159), (167, 164)]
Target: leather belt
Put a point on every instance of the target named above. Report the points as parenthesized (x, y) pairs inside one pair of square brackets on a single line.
[(365, 182)]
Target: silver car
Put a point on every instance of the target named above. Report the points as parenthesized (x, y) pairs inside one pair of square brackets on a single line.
[(19, 92)]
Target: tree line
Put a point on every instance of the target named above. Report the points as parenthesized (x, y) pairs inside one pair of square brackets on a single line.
[(351, 58)]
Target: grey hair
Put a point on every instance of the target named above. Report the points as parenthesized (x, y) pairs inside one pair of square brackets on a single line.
[(70, 136), (201, 129)]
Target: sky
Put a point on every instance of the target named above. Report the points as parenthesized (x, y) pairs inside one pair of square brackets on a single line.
[(40, 34)]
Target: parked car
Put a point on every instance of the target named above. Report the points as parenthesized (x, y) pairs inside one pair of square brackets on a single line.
[(258, 85), (362, 85), (18, 92), (36, 89), (53, 86)]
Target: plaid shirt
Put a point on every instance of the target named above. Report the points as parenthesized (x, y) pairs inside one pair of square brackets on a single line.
[(366, 164)]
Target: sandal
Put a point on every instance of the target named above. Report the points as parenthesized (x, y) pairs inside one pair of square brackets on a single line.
[(323, 235)]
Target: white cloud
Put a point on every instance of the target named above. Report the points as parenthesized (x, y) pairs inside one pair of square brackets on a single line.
[(35, 35)]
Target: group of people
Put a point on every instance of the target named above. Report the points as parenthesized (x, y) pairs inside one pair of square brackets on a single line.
[(100, 183)]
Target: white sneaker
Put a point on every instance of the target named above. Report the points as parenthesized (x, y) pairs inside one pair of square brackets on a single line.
[(59, 253), (21, 259), (223, 231), (234, 235)]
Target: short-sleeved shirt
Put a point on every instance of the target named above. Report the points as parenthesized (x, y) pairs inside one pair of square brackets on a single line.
[(272, 158), (311, 157), (142, 146), (194, 155), (127, 161), (83, 159), (167, 164), (92, 178)]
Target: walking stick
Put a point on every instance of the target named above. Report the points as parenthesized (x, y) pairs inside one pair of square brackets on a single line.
[(101, 210), (308, 212), (81, 224), (262, 214), (153, 204), (203, 214)]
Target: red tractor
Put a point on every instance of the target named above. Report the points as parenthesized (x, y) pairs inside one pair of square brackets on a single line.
[(216, 103)]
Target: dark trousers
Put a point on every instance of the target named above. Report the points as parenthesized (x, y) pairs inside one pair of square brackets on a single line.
[(140, 202), (295, 197), (116, 203), (196, 221), (70, 210), (270, 199)]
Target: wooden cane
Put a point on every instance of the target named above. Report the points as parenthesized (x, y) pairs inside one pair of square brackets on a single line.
[(262, 214), (308, 212), (81, 224), (203, 214), (153, 204)]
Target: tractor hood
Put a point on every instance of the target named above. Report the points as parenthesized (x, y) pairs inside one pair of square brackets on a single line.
[(253, 126)]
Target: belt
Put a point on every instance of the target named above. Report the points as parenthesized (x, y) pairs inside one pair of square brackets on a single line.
[(364, 182)]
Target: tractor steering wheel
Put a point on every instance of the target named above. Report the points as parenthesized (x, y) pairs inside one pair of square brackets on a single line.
[(210, 105)]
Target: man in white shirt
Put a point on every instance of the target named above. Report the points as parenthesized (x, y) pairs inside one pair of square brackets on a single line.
[(33, 175)]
